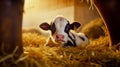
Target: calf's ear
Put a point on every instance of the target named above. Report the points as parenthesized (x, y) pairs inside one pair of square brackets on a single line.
[(45, 26), (75, 25)]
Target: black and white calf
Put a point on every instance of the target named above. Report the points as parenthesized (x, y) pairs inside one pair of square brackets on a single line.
[(62, 32)]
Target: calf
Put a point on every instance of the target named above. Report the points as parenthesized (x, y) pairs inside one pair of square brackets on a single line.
[(62, 32)]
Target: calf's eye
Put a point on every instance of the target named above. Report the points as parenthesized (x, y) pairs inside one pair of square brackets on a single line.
[(67, 28), (53, 29)]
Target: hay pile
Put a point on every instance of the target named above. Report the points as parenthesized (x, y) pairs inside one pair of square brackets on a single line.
[(96, 54), (36, 54), (95, 29)]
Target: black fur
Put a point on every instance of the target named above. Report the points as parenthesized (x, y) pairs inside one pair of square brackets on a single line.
[(73, 40), (75, 24), (82, 38), (53, 28), (69, 43), (67, 28)]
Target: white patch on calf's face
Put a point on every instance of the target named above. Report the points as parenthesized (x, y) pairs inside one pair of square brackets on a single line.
[(60, 24)]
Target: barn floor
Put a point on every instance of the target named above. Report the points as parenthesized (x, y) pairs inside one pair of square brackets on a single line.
[(95, 54)]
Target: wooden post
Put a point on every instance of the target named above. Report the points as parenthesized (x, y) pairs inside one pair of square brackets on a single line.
[(11, 12), (110, 12)]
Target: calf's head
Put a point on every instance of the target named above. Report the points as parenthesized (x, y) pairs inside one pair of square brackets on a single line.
[(60, 28)]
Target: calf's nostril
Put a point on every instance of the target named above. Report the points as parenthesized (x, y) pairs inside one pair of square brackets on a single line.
[(60, 36), (57, 36)]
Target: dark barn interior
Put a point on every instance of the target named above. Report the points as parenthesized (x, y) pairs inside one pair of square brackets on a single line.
[(11, 17)]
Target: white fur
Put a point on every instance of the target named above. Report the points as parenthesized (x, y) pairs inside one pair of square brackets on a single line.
[(77, 38), (60, 23)]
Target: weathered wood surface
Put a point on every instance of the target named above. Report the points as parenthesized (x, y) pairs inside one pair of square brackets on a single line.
[(11, 12), (110, 11)]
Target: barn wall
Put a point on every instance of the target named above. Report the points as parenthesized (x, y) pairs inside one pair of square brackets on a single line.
[(38, 11), (83, 13)]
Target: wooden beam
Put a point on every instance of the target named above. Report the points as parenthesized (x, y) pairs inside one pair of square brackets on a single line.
[(11, 12), (110, 12)]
